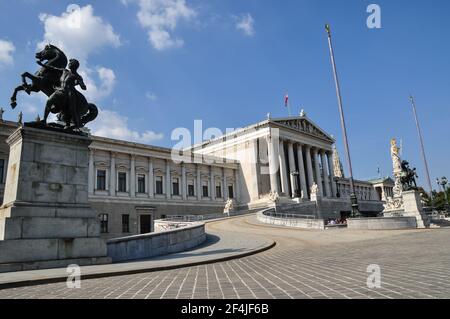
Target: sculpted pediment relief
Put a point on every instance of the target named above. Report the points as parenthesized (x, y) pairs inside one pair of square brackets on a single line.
[(305, 126)]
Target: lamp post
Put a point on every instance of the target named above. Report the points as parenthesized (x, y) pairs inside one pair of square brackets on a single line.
[(353, 198), (443, 182), (336, 180)]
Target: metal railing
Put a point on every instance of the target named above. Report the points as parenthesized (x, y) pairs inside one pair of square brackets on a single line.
[(288, 216), (183, 218)]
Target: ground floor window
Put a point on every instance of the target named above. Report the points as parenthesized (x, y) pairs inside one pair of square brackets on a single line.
[(103, 223), (218, 191), (125, 223), (205, 189), (2, 169), (230, 191), (191, 190)]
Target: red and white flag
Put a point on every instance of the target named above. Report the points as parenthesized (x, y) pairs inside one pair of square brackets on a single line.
[(286, 100)]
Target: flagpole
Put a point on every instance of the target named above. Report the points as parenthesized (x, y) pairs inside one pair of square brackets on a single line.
[(287, 103), (353, 198), (419, 132)]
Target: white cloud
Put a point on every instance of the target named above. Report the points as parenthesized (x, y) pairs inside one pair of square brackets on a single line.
[(79, 33), (30, 109), (246, 24), (151, 96), (106, 78), (160, 18), (111, 124), (6, 50)]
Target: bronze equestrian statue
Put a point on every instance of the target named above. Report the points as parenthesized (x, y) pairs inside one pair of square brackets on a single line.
[(408, 177), (59, 84)]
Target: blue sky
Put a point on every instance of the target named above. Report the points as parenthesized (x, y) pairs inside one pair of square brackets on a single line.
[(161, 64)]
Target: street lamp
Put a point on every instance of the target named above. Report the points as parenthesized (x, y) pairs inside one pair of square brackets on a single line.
[(336, 180), (443, 182)]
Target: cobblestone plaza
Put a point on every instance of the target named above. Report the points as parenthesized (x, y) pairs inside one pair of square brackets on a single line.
[(303, 264)]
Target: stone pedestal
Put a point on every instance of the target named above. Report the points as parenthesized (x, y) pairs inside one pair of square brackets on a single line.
[(413, 208), (46, 220)]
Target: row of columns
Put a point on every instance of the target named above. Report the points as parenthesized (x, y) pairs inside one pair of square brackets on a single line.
[(307, 174), (150, 182)]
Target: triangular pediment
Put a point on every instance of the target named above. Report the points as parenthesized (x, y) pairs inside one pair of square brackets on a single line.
[(304, 125)]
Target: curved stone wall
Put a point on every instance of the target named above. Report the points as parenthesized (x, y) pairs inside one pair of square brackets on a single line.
[(291, 222), (380, 223), (156, 244)]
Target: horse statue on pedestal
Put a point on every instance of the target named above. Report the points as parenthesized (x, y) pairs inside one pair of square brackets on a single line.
[(408, 177), (58, 83)]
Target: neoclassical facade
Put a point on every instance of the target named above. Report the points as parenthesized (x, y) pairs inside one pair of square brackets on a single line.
[(130, 184), (287, 156)]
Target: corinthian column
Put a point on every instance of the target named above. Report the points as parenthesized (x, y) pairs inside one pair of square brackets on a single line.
[(133, 176), (199, 183), (325, 174), (183, 181), (292, 168), (283, 170), (168, 181), (309, 167), (301, 171), (150, 179), (112, 175), (317, 169), (273, 165), (91, 178)]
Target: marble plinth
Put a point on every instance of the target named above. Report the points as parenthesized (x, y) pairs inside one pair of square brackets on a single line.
[(46, 216)]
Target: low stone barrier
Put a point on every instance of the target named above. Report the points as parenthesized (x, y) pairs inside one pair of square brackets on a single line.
[(156, 244), (382, 223), (306, 223)]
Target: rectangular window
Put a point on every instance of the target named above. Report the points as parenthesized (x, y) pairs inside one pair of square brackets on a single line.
[(2, 170), (191, 190), (159, 185), (218, 191), (230, 191), (175, 186), (205, 189), (125, 223), (103, 223), (141, 183), (122, 182), (101, 179)]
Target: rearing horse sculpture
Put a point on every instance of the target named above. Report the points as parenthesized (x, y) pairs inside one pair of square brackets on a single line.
[(73, 108), (45, 79)]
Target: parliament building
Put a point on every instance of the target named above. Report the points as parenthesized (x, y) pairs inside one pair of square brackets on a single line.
[(130, 184)]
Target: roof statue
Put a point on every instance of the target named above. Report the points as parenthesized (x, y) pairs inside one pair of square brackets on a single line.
[(338, 170)]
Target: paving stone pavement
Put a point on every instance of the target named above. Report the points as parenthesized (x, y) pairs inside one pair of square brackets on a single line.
[(304, 264)]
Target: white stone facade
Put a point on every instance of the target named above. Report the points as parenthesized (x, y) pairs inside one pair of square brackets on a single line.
[(130, 185)]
